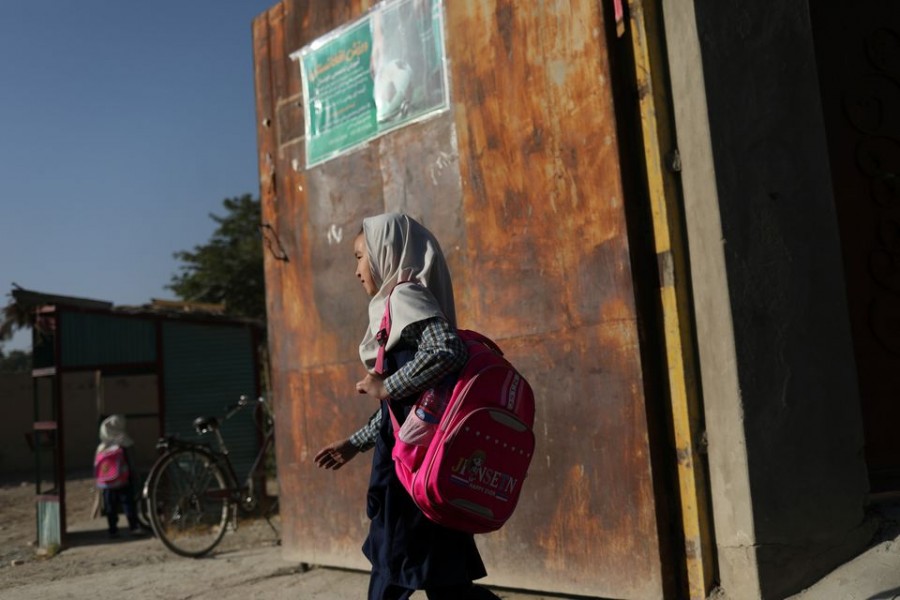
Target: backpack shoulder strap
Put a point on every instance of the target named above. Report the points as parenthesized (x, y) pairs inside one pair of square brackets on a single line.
[(382, 336), (384, 331)]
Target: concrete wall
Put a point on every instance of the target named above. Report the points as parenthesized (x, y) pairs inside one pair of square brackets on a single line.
[(779, 381), (125, 395), (16, 457)]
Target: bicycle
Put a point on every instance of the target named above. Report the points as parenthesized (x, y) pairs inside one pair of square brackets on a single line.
[(192, 492)]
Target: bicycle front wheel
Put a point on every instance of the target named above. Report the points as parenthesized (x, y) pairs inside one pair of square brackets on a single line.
[(189, 501)]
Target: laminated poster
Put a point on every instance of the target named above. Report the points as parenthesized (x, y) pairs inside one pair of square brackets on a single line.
[(373, 75)]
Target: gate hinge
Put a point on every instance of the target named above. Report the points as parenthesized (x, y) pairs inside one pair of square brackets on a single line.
[(703, 443), (673, 160)]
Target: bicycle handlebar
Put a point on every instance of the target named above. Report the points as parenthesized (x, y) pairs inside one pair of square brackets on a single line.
[(243, 401)]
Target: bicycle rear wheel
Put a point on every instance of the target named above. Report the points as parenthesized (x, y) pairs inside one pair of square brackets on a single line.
[(189, 501)]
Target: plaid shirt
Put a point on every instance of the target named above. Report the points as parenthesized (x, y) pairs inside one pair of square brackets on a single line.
[(438, 351)]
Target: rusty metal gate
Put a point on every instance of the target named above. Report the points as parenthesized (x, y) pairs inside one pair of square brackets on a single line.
[(522, 182)]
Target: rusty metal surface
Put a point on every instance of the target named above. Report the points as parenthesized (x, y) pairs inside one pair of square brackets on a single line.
[(521, 183)]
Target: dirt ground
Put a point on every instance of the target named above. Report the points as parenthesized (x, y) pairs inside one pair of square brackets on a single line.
[(88, 549), (248, 563)]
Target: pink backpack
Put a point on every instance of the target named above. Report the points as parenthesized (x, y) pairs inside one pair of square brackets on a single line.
[(111, 468), (466, 472)]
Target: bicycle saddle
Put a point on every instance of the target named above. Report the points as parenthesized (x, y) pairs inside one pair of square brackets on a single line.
[(204, 424)]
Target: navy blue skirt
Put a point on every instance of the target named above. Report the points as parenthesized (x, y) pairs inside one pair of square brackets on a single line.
[(405, 548)]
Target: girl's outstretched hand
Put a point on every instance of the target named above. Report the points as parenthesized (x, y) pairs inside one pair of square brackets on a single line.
[(336, 455), (373, 386)]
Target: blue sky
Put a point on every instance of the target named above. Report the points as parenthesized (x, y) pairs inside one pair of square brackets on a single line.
[(123, 125)]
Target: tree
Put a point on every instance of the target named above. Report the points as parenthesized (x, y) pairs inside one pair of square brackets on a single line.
[(17, 361), (13, 317), (229, 268)]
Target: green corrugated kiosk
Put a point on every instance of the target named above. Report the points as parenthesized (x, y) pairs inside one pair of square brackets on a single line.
[(201, 359)]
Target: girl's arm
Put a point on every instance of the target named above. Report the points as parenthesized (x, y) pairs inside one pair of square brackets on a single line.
[(365, 438), (439, 351)]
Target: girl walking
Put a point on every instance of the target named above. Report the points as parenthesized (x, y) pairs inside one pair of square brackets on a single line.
[(407, 551)]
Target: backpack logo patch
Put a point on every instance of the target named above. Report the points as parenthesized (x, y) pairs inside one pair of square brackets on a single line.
[(474, 474)]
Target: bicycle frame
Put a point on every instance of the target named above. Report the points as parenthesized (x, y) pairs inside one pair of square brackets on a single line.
[(230, 491)]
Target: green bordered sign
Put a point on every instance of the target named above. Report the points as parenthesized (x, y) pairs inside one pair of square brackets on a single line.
[(373, 75)]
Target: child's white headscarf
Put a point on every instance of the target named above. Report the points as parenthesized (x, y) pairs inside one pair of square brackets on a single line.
[(112, 433), (400, 250)]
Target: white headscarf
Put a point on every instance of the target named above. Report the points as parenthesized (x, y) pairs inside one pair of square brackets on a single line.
[(112, 433), (400, 250)]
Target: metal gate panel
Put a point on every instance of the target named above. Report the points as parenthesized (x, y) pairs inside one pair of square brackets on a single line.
[(521, 183)]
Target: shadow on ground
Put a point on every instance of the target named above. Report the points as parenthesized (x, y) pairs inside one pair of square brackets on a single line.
[(98, 537)]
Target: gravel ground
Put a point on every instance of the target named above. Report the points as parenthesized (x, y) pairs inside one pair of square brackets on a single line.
[(88, 549)]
